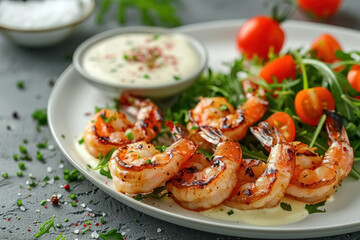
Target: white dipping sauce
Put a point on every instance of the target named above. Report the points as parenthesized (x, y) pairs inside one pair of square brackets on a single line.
[(141, 59), (37, 15)]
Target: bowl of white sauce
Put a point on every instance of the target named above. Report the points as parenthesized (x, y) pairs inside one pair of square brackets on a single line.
[(145, 61), (42, 23)]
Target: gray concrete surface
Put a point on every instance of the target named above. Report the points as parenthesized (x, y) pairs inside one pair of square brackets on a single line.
[(36, 68)]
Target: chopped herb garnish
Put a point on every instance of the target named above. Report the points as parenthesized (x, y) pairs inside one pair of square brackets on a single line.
[(130, 136), (81, 141), (148, 161), (66, 220), (45, 228), (103, 164), (177, 78), (231, 212), (16, 156), (32, 184), (207, 153), (5, 175), (25, 141), (19, 203), (223, 107), (22, 149), (39, 156), (155, 37), (56, 178), (285, 206), (41, 116), (146, 76), (313, 208), (63, 136), (72, 176), (60, 237), (156, 193), (43, 202), (83, 232), (20, 85), (112, 234), (107, 120), (72, 196), (74, 204), (126, 57), (194, 128), (161, 148), (22, 166), (102, 220), (42, 145)]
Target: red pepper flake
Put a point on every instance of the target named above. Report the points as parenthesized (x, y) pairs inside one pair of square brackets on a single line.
[(76, 201), (88, 214), (67, 187), (96, 224), (45, 206), (84, 225), (90, 224), (101, 225), (76, 224), (29, 230), (170, 206), (9, 219)]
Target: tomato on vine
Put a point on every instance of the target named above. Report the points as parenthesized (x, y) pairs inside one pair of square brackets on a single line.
[(325, 47), (281, 68), (353, 77), (319, 8), (284, 124), (260, 35), (310, 103)]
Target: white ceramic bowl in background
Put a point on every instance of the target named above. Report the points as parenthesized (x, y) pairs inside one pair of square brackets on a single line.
[(48, 36), (156, 90)]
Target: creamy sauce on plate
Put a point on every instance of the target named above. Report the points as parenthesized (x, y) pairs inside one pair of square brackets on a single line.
[(141, 59), (261, 217)]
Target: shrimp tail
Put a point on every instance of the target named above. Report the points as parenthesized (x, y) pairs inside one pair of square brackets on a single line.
[(267, 135), (334, 127), (212, 135), (177, 130)]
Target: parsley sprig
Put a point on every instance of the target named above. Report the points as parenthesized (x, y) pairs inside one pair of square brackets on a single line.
[(103, 164)]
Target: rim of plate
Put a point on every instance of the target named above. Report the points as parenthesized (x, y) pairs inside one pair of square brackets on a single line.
[(197, 47), (206, 225), (84, 16)]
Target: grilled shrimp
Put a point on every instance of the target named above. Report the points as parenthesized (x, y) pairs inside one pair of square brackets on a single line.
[(202, 183), (316, 178), (140, 167), (263, 185), (217, 112), (110, 128)]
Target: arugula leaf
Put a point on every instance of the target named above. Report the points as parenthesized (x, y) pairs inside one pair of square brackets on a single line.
[(155, 194), (104, 163), (111, 235), (313, 208)]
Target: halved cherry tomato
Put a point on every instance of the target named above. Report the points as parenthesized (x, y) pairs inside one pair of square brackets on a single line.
[(325, 46), (281, 68), (319, 8), (284, 124), (258, 35), (310, 103), (353, 77)]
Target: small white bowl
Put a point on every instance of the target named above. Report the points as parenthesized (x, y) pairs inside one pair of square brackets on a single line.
[(156, 90), (48, 36)]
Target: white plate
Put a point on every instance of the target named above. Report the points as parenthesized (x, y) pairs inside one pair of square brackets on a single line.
[(71, 98)]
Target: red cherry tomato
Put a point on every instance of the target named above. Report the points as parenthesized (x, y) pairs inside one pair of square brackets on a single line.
[(280, 68), (325, 46), (310, 103), (320, 8), (353, 77), (258, 35), (284, 124)]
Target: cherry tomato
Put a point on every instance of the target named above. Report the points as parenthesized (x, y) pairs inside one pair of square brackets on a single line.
[(320, 8), (258, 36), (281, 68), (310, 103), (284, 124), (325, 46), (353, 77)]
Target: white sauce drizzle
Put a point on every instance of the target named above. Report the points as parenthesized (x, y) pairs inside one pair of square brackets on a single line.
[(141, 59), (261, 217)]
